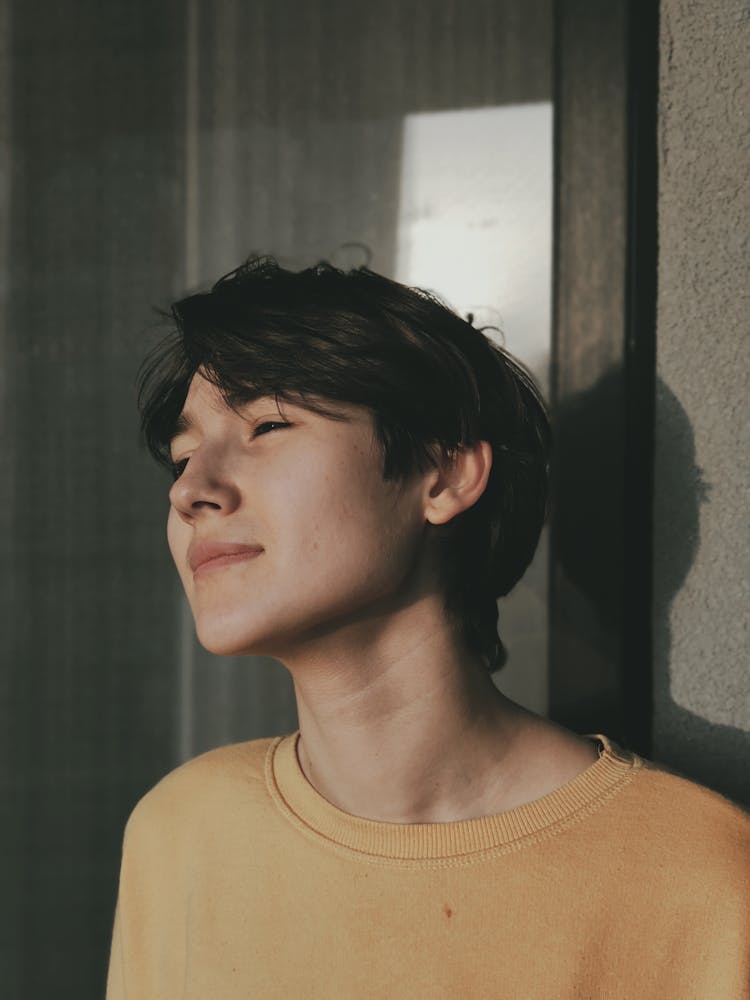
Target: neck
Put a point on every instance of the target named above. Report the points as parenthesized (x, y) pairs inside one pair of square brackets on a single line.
[(418, 736)]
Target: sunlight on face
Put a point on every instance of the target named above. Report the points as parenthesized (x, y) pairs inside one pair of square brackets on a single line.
[(335, 545)]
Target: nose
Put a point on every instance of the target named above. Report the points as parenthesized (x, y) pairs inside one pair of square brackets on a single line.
[(205, 486)]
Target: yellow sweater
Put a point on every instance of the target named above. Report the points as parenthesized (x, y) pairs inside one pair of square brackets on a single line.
[(239, 880)]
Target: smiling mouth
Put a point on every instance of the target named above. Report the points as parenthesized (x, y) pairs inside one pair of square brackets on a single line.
[(224, 560)]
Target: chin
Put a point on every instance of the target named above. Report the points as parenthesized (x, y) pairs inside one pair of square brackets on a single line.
[(223, 642), (225, 637), (267, 630)]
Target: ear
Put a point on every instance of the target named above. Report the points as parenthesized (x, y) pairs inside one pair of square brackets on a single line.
[(457, 484)]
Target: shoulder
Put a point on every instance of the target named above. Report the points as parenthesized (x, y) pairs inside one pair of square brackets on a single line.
[(692, 809), (689, 836), (202, 791)]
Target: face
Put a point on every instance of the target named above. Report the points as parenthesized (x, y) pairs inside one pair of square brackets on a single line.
[(302, 536)]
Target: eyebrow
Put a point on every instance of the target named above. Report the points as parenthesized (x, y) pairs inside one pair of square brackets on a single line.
[(186, 423)]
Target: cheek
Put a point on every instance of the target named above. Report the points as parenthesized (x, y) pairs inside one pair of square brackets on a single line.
[(326, 509), (357, 529)]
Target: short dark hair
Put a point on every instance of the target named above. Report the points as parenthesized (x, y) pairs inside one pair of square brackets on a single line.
[(429, 378)]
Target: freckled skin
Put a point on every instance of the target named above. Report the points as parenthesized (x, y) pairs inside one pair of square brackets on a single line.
[(337, 539)]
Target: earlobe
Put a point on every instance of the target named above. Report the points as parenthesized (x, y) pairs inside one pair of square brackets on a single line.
[(460, 482)]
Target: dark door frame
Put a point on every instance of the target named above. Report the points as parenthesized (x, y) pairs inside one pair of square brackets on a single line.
[(603, 367)]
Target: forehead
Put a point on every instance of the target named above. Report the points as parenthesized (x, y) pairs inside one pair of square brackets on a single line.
[(203, 395)]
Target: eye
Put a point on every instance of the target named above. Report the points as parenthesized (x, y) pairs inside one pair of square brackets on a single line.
[(268, 425)]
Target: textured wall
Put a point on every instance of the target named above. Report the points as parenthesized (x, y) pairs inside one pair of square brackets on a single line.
[(702, 485)]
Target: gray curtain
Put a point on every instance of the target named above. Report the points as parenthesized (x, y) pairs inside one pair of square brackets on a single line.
[(147, 148)]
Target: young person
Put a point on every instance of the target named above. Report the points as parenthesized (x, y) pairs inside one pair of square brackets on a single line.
[(359, 474)]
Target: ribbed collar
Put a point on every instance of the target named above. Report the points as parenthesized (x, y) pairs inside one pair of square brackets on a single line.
[(307, 809)]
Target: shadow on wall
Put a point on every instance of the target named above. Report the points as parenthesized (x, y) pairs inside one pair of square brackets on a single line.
[(705, 751), (590, 554)]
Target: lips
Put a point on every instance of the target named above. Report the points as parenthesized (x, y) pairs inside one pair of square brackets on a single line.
[(205, 554)]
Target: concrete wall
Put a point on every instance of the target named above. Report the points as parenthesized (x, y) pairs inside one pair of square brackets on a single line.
[(702, 484)]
